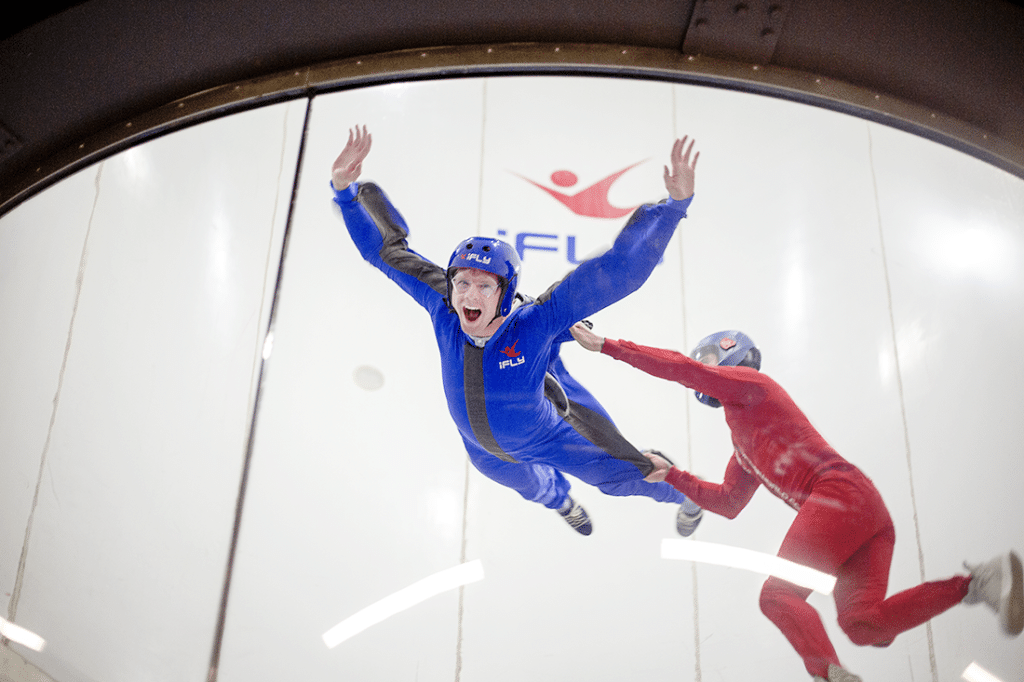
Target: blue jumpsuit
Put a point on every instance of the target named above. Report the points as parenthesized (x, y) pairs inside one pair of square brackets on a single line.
[(521, 415)]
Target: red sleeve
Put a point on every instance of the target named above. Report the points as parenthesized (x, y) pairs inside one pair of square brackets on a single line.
[(726, 499), (725, 383)]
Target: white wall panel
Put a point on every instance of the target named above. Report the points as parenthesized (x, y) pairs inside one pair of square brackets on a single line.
[(41, 245), (357, 493), (130, 537), (955, 248)]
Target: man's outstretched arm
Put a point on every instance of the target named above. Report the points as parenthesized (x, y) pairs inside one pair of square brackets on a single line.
[(377, 228), (636, 251)]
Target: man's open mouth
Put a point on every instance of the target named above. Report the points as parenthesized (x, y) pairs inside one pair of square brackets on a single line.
[(471, 314)]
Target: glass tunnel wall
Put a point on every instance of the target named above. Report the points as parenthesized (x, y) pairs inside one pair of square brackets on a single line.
[(882, 276)]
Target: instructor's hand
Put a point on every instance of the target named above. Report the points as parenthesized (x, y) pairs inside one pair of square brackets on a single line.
[(349, 164), (661, 468), (586, 338)]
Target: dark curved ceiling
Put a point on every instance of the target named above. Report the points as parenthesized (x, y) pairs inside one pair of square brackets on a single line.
[(71, 70)]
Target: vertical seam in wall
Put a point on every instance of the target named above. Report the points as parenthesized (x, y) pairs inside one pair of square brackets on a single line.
[(12, 607), (899, 386), (697, 677), (465, 488), (462, 560), (696, 624), (260, 350), (483, 147), (218, 635)]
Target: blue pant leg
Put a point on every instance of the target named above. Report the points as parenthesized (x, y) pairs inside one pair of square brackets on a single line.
[(536, 482), (593, 463), (578, 457)]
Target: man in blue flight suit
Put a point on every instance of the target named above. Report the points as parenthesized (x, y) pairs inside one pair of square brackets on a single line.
[(524, 420)]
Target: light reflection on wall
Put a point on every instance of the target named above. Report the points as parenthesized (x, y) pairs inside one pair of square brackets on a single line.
[(18, 634), (420, 591), (975, 673), (911, 343), (979, 251)]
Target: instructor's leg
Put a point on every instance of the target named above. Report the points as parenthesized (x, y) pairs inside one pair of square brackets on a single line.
[(785, 604), (830, 526), (866, 616)]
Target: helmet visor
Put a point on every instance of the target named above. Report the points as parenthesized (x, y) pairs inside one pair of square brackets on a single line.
[(709, 355)]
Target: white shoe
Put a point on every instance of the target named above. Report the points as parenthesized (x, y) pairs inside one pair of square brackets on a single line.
[(689, 515), (837, 674), (577, 517), (999, 583), (688, 518)]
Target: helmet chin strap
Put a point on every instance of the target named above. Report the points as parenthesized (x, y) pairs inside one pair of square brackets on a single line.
[(517, 300), (497, 308), (501, 297)]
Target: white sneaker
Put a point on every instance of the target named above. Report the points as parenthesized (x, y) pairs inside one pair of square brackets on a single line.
[(999, 583), (688, 518), (837, 674), (577, 518)]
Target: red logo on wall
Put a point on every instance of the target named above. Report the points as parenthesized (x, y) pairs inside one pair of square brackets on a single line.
[(591, 202)]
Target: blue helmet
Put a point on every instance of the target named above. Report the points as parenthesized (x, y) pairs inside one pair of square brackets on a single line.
[(493, 256), (730, 349)]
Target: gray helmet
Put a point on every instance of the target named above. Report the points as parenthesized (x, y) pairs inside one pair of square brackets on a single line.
[(730, 349)]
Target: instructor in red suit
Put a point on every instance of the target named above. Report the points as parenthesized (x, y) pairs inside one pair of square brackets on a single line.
[(842, 526)]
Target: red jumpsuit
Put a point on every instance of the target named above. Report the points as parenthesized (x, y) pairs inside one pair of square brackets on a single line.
[(842, 527)]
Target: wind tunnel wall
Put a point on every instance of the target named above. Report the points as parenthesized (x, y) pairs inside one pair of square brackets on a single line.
[(881, 274)]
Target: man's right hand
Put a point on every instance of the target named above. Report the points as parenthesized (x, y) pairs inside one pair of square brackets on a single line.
[(349, 164), (681, 173)]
